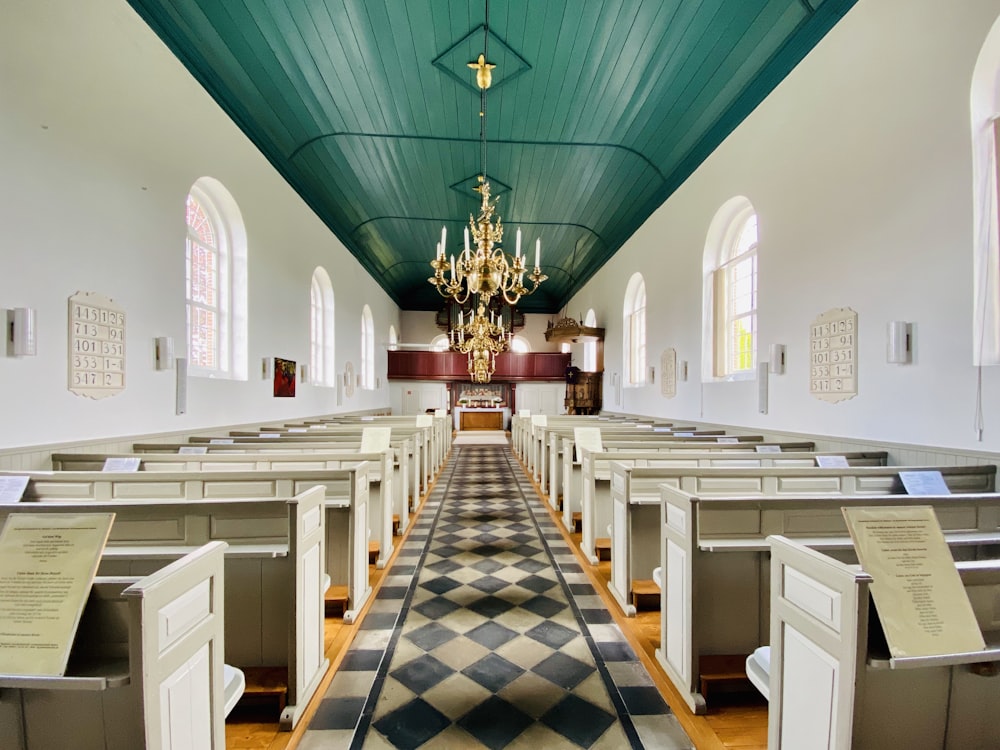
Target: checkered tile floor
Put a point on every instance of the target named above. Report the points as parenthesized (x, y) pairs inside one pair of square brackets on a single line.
[(487, 633)]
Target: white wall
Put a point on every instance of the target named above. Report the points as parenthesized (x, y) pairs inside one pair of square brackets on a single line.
[(102, 133), (859, 165)]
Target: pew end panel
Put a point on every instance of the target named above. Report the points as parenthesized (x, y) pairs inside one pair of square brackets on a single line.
[(146, 669), (833, 682), (359, 587), (304, 636), (274, 570), (715, 564)]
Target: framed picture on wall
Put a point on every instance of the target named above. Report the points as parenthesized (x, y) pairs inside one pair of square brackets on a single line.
[(284, 378)]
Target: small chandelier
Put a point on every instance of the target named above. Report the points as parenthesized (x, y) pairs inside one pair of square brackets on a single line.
[(482, 338)]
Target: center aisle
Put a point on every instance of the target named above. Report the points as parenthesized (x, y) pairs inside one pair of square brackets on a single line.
[(487, 633)]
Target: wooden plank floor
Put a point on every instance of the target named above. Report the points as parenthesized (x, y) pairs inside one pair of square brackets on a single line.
[(738, 721)]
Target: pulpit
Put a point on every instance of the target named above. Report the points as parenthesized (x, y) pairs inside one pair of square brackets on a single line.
[(583, 392)]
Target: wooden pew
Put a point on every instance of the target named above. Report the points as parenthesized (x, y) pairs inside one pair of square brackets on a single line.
[(540, 440), (520, 427), (422, 439), (632, 485), (345, 501), (380, 488), (426, 436), (554, 440), (130, 681), (406, 451), (405, 471), (635, 507), (273, 571), (715, 564), (833, 685), (574, 485), (442, 428)]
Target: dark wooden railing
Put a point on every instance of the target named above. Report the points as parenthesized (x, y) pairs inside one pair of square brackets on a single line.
[(408, 365)]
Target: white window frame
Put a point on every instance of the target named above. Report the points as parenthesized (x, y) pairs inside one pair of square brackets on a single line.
[(634, 333), (520, 345), (728, 261), (590, 347), (230, 309), (985, 130), (367, 349), (322, 360)]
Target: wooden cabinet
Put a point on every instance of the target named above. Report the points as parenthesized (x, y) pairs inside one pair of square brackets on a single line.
[(583, 392)]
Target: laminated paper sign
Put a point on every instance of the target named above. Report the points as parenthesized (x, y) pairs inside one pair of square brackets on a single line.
[(923, 606), (47, 565), (375, 439)]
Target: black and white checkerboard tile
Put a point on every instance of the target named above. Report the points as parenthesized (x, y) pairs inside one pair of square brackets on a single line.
[(487, 633)]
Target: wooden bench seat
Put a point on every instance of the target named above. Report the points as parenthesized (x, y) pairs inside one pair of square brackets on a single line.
[(267, 683), (645, 594), (602, 547), (722, 669)]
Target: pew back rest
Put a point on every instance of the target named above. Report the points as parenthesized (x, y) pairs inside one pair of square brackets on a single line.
[(662, 443), (381, 463), (597, 465), (643, 484), (714, 519), (400, 445), (250, 525), (107, 486)]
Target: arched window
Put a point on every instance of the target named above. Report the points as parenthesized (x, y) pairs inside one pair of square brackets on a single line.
[(367, 349), (216, 288), (321, 329), (590, 347), (730, 329), (634, 331), (393, 339), (985, 121), (439, 343), (520, 345)]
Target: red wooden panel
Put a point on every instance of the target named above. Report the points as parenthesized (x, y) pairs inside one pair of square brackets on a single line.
[(408, 365)]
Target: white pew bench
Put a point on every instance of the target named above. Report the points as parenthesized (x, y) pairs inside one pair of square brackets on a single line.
[(420, 436), (715, 562), (541, 440), (402, 450), (380, 476), (442, 429), (832, 683), (132, 683), (406, 451), (579, 479), (345, 502), (520, 427), (552, 464), (273, 571), (635, 504)]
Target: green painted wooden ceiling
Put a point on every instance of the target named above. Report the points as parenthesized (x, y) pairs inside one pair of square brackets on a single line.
[(599, 110)]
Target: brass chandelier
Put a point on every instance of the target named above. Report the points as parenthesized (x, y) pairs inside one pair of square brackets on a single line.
[(482, 339), (485, 270)]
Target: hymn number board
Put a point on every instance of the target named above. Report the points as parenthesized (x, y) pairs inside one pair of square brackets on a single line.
[(96, 346), (833, 351)]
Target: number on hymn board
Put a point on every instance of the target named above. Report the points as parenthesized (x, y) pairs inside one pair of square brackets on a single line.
[(96, 346)]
